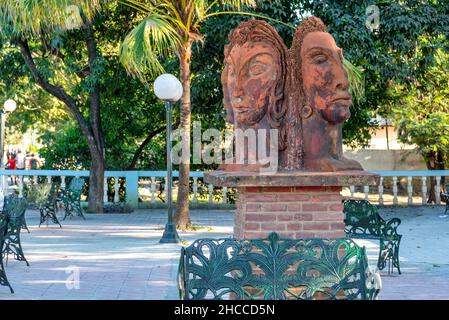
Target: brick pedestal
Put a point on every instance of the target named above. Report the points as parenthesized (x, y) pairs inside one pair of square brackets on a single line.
[(292, 212), (295, 204)]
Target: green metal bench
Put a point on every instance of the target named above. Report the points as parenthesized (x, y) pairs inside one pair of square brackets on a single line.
[(3, 225), (276, 269), (15, 212), (363, 221), (48, 205), (71, 198)]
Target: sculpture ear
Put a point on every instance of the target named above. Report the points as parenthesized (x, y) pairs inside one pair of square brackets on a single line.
[(306, 112)]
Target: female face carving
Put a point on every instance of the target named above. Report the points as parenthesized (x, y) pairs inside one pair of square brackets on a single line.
[(324, 79), (252, 73)]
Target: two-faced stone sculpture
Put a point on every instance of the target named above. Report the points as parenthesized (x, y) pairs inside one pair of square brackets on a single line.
[(304, 94)]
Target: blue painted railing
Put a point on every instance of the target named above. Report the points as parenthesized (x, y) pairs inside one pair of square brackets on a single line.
[(143, 188)]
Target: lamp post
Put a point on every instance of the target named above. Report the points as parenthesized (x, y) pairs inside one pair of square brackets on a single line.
[(168, 88), (9, 106)]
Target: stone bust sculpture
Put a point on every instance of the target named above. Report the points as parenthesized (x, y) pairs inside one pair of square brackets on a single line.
[(304, 93), (321, 89), (254, 79)]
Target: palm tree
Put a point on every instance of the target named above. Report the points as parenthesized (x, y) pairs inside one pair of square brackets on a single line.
[(170, 27)]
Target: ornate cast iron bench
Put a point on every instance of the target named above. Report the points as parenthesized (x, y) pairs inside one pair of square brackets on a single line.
[(15, 212), (47, 206), (364, 222), (276, 269), (3, 225), (71, 198)]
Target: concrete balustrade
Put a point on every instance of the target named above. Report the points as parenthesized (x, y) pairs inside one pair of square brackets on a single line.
[(146, 189)]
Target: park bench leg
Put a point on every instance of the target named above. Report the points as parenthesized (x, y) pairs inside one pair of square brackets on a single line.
[(389, 250), (79, 210), (3, 279), (13, 246), (383, 256), (24, 226), (396, 254)]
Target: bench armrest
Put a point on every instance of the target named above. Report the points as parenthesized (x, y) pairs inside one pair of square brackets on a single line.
[(181, 276), (389, 227)]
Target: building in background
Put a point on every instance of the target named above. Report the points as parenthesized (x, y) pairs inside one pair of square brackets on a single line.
[(385, 151)]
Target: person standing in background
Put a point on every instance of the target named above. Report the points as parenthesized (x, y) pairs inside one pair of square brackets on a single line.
[(34, 162), (11, 164), (20, 165)]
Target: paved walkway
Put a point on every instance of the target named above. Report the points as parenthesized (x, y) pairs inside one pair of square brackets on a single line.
[(117, 256)]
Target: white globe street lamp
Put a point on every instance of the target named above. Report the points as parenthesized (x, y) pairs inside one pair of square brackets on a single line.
[(169, 89), (10, 105)]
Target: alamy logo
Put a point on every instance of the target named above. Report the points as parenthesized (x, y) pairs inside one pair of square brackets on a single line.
[(73, 280), (372, 18), (230, 147)]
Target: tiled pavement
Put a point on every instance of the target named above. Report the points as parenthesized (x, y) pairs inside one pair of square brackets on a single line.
[(117, 256)]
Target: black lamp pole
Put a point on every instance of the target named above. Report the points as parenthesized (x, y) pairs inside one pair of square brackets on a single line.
[(170, 234)]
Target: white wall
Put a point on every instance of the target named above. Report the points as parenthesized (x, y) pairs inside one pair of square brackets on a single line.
[(387, 159)]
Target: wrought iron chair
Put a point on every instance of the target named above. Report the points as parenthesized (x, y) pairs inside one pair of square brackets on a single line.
[(3, 225), (15, 212), (6, 201), (276, 269), (47, 205), (71, 198), (363, 221)]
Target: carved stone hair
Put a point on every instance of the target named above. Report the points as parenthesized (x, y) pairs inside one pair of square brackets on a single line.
[(261, 31), (294, 159)]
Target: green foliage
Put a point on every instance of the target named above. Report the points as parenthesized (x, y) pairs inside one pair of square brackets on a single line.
[(422, 116), (65, 149), (44, 17)]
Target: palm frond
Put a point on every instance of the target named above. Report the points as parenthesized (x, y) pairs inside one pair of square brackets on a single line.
[(251, 14), (40, 16), (138, 5), (154, 36), (238, 4), (356, 80)]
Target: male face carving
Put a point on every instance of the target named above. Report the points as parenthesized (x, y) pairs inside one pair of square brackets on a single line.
[(324, 79), (252, 73)]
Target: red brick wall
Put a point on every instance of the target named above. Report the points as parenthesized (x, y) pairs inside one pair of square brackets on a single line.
[(293, 212)]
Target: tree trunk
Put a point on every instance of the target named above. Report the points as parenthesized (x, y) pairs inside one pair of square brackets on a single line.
[(98, 163), (96, 183), (182, 216), (434, 161)]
